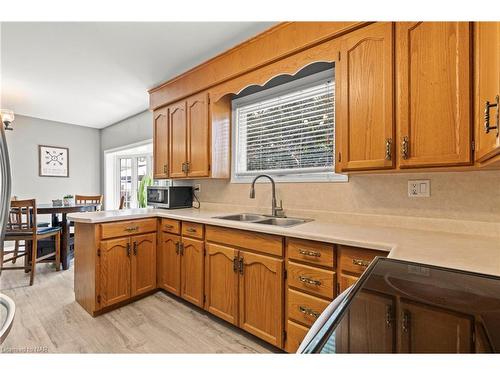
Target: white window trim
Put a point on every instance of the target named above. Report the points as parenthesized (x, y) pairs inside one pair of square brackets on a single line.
[(285, 88)]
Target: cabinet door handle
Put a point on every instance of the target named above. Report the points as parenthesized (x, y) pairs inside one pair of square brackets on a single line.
[(241, 266), (308, 311), (405, 153), (310, 253), (181, 248), (388, 316), (235, 264), (177, 248), (361, 262), (487, 126), (135, 248), (308, 280), (405, 323), (388, 149), (165, 168), (128, 249)]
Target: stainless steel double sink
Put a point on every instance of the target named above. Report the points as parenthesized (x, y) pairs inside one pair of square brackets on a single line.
[(264, 219)]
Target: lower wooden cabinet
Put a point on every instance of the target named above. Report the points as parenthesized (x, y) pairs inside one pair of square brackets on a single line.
[(143, 263), (114, 271), (261, 296), (427, 329), (169, 263), (192, 271), (295, 334), (245, 289), (221, 282), (127, 268)]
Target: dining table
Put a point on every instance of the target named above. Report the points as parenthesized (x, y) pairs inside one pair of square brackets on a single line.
[(62, 221)]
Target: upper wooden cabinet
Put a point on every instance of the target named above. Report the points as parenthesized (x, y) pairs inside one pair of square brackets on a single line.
[(160, 144), (178, 139), (487, 89), (433, 93), (365, 121), (198, 151)]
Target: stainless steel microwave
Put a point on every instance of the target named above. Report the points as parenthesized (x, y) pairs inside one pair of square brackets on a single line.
[(170, 196)]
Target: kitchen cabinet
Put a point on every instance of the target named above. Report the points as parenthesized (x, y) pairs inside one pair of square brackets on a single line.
[(192, 270), (427, 329), (370, 326), (115, 271), (433, 94), (365, 98), (198, 150), (353, 261), (221, 282), (143, 263), (487, 89), (127, 268), (169, 263), (261, 296), (161, 143), (178, 139)]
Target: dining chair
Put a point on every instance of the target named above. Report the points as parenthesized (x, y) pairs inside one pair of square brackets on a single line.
[(22, 226), (89, 199)]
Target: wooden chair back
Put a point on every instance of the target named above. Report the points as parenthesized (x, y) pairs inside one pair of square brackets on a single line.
[(122, 202), (89, 199), (22, 217)]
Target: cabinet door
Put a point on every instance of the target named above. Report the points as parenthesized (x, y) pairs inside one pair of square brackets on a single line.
[(487, 78), (221, 282), (160, 143), (426, 329), (365, 99), (369, 326), (143, 263), (169, 263), (433, 93), (198, 136), (261, 297), (192, 271), (178, 139), (114, 271)]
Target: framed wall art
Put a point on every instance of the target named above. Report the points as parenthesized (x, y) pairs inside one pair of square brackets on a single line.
[(53, 161)]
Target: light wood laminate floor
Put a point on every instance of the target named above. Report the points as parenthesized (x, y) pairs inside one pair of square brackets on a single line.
[(49, 319)]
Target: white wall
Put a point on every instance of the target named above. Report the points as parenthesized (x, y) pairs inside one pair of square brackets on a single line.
[(84, 161)]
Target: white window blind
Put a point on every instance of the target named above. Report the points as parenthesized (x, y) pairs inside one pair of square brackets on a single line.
[(287, 132)]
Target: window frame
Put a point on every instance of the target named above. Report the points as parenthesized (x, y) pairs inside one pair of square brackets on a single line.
[(283, 89)]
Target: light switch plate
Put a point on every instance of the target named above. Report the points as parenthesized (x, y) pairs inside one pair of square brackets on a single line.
[(419, 188)]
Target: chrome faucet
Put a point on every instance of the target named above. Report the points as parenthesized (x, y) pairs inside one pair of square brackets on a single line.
[(277, 211)]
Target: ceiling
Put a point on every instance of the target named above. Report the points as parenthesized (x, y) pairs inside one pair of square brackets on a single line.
[(97, 73)]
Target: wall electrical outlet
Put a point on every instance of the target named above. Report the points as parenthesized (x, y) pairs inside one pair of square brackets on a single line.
[(419, 188), (197, 188)]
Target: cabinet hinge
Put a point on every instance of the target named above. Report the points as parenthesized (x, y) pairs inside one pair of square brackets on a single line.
[(204, 251), (285, 274), (209, 167), (98, 298), (98, 252), (284, 335), (339, 55), (204, 298), (340, 157), (473, 146)]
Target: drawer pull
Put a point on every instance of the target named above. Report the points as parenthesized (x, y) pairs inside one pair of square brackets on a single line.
[(310, 253), (307, 280), (168, 226), (131, 229), (191, 230), (308, 311), (361, 262)]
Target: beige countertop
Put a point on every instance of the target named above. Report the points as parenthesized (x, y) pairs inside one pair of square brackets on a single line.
[(478, 253)]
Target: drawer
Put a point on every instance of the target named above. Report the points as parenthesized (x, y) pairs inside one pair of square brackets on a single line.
[(356, 260), (194, 230), (345, 281), (130, 227), (304, 308), (295, 333), (311, 279), (170, 226), (312, 252), (260, 242)]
